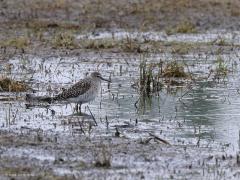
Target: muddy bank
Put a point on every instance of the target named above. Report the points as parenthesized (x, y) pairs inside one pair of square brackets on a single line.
[(121, 43), (141, 15), (43, 27), (44, 156)]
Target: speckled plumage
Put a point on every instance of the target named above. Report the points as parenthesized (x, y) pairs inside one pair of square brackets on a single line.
[(83, 91), (76, 90)]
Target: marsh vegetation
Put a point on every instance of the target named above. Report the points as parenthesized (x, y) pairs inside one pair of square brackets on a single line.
[(171, 111)]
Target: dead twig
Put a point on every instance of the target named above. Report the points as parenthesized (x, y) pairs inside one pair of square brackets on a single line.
[(159, 139), (92, 116), (81, 127)]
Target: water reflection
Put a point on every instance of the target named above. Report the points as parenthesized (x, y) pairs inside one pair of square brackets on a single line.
[(208, 111)]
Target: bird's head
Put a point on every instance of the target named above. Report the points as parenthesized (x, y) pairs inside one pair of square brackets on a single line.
[(97, 75)]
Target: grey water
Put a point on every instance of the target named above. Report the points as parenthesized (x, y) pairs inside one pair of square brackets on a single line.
[(207, 115)]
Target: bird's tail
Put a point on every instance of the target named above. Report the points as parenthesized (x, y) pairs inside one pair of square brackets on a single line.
[(30, 97)]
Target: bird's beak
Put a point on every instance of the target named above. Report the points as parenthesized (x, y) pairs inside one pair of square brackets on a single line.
[(105, 79)]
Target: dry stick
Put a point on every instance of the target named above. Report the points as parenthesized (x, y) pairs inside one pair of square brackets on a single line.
[(159, 139), (80, 125), (37, 105), (107, 123), (189, 89), (135, 104), (92, 116)]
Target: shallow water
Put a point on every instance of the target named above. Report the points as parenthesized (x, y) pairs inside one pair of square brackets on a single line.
[(205, 116)]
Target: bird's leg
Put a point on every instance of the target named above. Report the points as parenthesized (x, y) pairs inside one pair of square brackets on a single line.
[(79, 108), (76, 108)]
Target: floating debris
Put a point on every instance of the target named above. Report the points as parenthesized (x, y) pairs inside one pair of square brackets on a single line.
[(159, 139)]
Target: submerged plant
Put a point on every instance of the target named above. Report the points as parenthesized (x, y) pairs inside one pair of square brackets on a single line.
[(153, 76), (148, 83), (174, 69), (146, 78), (221, 68)]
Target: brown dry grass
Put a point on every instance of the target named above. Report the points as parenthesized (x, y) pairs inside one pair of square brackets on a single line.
[(143, 15), (174, 69), (9, 85), (17, 42)]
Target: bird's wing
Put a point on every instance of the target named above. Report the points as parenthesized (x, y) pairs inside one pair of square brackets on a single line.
[(76, 90)]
